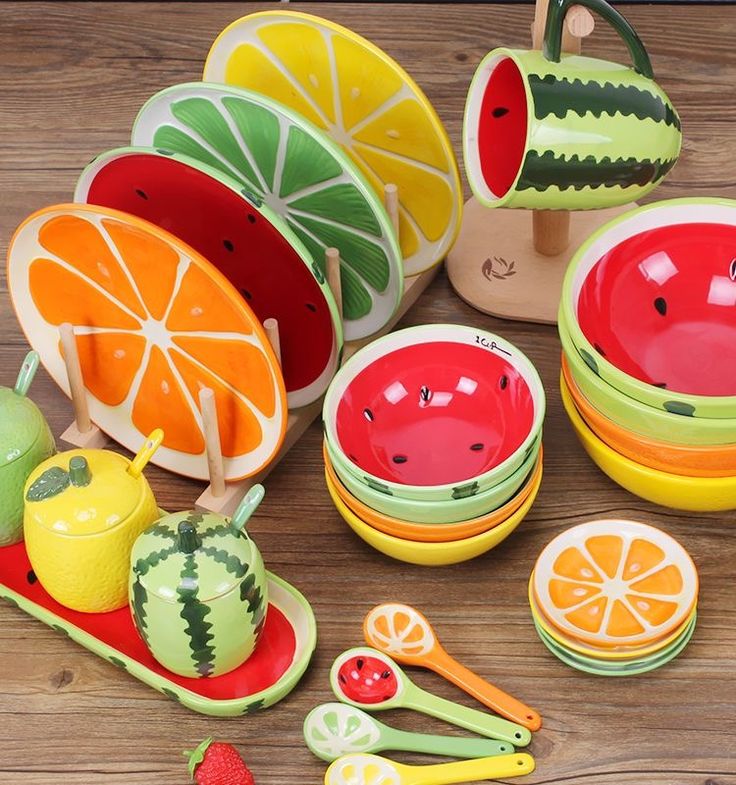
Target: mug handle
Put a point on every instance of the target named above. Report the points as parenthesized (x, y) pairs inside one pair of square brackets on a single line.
[(556, 11)]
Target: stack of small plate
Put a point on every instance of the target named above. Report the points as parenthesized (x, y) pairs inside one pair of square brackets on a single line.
[(433, 442), (614, 597), (647, 322)]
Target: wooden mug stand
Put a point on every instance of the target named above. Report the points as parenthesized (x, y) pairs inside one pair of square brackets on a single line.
[(507, 263)]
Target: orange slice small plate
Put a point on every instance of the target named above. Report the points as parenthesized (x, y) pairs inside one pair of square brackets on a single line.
[(155, 323), (615, 582)]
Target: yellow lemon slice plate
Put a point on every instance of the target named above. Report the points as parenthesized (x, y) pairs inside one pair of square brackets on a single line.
[(366, 102)]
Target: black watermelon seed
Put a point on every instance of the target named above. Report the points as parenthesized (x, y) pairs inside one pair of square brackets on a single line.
[(400, 459), (500, 111), (312, 307), (368, 414), (228, 245), (477, 447), (341, 679), (504, 382), (141, 193), (386, 675), (251, 219), (31, 577), (424, 393), (246, 294), (732, 269), (599, 350), (661, 305), (359, 663)]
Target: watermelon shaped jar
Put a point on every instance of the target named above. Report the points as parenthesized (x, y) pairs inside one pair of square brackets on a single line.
[(198, 590)]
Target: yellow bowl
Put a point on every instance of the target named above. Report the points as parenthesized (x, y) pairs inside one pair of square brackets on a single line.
[(431, 554), (428, 532), (696, 494), (619, 653)]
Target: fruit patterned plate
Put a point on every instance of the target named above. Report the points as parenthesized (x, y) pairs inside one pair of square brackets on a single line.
[(155, 322), (366, 102), (615, 582), (281, 657), (247, 242), (299, 173)]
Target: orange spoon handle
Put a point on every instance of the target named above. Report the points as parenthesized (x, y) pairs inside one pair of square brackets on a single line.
[(485, 692)]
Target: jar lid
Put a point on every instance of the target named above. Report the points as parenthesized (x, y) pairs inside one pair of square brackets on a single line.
[(82, 492), (194, 551), (20, 425)]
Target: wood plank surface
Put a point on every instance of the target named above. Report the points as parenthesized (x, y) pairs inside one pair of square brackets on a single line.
[(72, 76)]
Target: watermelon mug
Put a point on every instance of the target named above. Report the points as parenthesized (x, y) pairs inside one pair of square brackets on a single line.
[(543, 130), (198, 590)]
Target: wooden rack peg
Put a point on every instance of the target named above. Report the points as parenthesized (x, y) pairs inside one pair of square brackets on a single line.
[(82, 432), (391, 201), (271, 326)]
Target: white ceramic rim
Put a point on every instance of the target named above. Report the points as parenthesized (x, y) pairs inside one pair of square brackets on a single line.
[(471, 119), (44, 337), (433, 333), (628, 530)]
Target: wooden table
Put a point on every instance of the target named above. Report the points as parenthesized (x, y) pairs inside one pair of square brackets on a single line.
[(72, 76)]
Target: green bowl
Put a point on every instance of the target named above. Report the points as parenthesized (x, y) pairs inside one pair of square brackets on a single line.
[(671, 212), (636, 416), (472, 504), (622, 668)]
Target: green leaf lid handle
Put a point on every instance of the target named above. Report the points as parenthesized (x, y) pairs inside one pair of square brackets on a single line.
[(26, 373), (247, 507), (556, 11)]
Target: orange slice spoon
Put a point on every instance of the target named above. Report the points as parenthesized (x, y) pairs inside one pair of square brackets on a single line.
[(405, 634)]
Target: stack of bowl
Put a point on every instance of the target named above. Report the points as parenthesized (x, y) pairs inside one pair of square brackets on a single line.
[(647, 322), (433, 442), (614, 598)]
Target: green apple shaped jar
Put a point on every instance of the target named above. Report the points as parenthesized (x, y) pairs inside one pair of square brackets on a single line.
[(25, 441), (198, 590)]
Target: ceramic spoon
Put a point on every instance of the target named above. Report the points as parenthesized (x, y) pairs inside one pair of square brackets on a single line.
[(144, 455), (405, 634), (371, 680), (335, 729), (363, 769)]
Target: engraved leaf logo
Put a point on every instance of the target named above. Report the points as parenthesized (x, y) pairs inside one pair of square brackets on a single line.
[(499, 268)]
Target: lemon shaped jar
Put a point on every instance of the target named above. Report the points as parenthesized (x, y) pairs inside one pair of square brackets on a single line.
[(84, 510), (198, 590), (25, 441)]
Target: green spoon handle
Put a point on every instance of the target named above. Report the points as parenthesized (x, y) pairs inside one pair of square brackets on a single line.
[(445, 746), (471, 770), (26, 373), (470, 719)]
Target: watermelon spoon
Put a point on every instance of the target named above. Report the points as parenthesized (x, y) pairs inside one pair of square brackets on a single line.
[(334, 729), (370, 680), (374, 770), (405, 634)]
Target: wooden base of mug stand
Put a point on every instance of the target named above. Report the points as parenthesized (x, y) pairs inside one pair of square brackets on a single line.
[(300, 419), (495, 268)]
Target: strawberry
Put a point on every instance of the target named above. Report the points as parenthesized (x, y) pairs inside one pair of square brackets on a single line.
[(217, 763)]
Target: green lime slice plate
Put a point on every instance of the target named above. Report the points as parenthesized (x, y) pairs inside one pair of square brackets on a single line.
[(297, 171)]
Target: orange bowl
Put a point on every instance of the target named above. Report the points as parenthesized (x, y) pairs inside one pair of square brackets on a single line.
[(715, 460), (434, 532)]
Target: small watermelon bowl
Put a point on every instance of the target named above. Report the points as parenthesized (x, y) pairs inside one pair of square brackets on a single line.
[(434, 413), (614, 597), (648, 302)]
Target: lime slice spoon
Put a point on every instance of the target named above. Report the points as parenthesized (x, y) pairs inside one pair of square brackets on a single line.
[(335, 729), (371, 680), (405, 634), (364, 769)]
